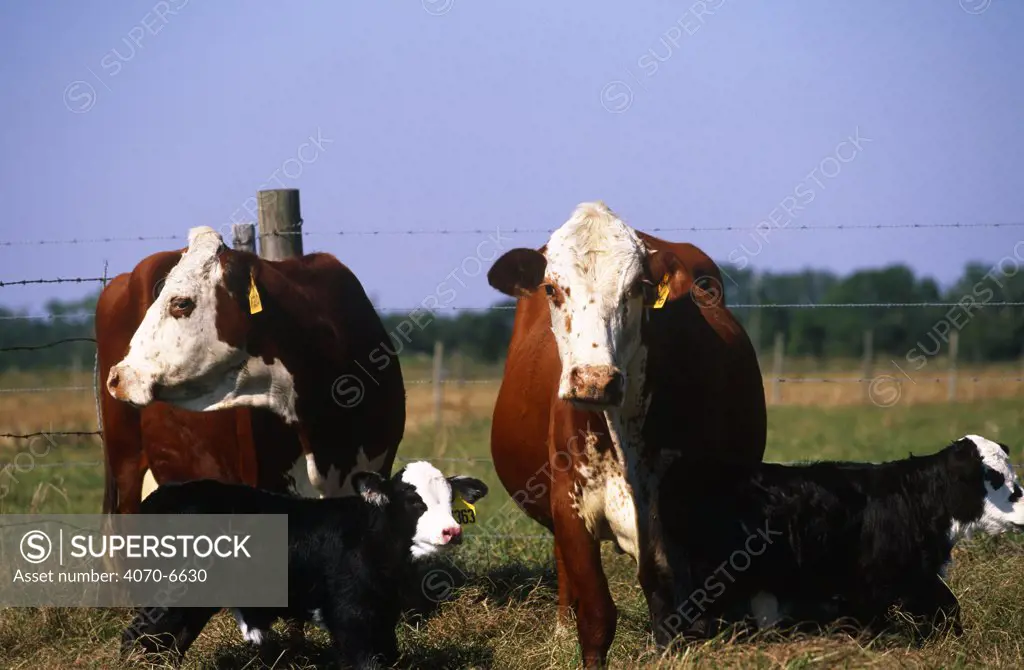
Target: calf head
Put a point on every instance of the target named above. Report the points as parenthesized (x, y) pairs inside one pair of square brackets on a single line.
[(436, 527), (1003, 505), (189, 349), (599, 277)]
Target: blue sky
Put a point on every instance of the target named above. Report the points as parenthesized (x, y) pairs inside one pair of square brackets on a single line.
[(125, 119)]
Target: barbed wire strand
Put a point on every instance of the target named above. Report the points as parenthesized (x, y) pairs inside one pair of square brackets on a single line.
[(48, 345), (46, 389), (488, 308), (59, 280), (525, 231), (975, 379), (449, 459)]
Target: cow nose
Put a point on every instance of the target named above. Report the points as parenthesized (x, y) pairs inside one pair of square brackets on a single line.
[(596, 385), (114, 385), (452, 535), (125, 385)]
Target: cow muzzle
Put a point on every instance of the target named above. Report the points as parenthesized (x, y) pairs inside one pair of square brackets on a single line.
[(127, 385), (595, 387)]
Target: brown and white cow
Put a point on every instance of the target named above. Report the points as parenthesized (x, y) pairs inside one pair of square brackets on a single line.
[(230, 330), (163, 443), (622, 353)]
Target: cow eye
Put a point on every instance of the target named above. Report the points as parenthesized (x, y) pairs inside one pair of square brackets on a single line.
[(181, 307), (549, 289)]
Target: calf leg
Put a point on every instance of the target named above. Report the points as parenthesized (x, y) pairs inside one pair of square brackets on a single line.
[(254, 623), (355, 635), (385, 643), (935, 606), (166, 629)]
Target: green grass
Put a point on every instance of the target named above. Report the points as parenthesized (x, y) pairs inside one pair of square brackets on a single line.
[(497, 597)]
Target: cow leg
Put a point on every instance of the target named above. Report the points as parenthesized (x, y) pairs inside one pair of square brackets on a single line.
[(122, 450), (129, 473), (655, 576), (566, 597), (592, 601)]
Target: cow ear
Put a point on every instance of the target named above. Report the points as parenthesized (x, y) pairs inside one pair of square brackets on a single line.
[(469, 488), (1005, 448), (669, 276), (370, 485), (241, 273), (518, 272)]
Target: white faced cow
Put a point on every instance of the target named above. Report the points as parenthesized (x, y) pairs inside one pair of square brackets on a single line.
[(623, 352), (229, 329)]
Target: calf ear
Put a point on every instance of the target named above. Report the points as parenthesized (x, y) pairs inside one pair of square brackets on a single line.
[(469, 488), (666, 271), (370, 486), (518, 272), (1005, 448)]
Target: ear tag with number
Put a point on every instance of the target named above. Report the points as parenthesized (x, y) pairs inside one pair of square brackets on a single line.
[(255, 306), (663, 291), (463, 511)]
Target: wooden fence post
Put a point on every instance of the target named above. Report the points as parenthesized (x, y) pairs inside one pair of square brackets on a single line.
[(96, 373), (954, 351), (280, 221), (868, 363), (438, 384), (780, 342), (243, 237), (755, 315), (459, 373)]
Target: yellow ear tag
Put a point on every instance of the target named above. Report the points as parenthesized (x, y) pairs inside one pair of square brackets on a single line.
[(255, 306), (663, 290), (463, 511)]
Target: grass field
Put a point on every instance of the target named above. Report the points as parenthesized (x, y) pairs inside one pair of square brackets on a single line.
[(495, 598)]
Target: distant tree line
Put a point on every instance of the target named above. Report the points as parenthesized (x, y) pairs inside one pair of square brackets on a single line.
[(988, 332), (38, 332)]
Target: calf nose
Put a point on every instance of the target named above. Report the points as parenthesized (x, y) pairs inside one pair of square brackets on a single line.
[(452, 535), (600, 385)]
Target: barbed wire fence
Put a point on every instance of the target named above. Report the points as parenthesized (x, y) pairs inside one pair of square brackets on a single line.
[(776, 379)]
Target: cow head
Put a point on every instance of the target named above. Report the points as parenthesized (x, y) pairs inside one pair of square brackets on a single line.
[(190, 347), (437, 526), (599, 278), (1003, 507)]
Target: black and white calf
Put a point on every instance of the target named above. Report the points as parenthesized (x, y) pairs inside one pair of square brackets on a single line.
[(348, 557), (818, 542)]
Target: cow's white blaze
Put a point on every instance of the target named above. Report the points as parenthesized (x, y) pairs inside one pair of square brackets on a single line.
[(595, 263), (183, 355)]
